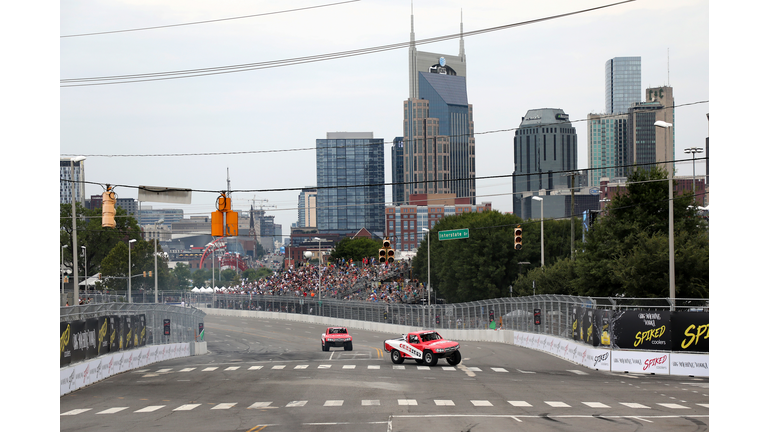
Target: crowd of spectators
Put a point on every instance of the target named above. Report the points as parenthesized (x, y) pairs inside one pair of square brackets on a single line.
[(343, 280)]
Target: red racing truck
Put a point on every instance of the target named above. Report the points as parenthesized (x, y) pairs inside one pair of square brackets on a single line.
[(426, 346), (336, 337)]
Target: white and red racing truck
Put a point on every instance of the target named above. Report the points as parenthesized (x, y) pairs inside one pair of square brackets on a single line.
[(336, 337), (426, 346)]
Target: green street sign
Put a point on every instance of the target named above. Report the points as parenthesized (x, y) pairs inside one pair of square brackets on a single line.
[(453, 234)]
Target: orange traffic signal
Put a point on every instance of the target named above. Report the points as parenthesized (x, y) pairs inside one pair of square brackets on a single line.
[(518, 238)]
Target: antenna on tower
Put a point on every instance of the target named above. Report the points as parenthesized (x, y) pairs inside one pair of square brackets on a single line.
[(668, 84), (229, 191)]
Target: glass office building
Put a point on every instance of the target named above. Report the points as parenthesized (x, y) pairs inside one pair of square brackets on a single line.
[(608, 147), (622, 84), (398, 188), (350, 183)]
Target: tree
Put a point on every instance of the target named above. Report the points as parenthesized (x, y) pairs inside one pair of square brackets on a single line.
[(181, 276), (98, 241), (627, 249), (200, 276), (249, 275), (355, 249)]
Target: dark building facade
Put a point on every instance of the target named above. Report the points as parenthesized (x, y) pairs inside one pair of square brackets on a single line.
[(398, 188)]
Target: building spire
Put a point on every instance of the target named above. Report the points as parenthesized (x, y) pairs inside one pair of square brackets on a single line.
[(461, 37)]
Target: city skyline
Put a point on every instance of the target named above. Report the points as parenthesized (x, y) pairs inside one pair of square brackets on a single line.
[(228, 114)]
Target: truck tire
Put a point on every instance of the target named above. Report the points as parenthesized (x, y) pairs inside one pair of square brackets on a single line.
[(324, 346), (347, 346), (397, 356), (454, 359), (430, 358)]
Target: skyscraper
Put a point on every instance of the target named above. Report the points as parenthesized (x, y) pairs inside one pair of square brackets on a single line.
[(608, 146), (307, 208), (438, 127), (350, 183), (544, 149), (647, 143), (622, 84), (66, 184), (398, 188)]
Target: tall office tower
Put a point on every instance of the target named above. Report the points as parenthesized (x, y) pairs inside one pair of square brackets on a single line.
[(307, 208), (350, 183), (398, 188), (608, 149), (622, 84), (65, 184), (438, 127), (647, 143), (545, 149)]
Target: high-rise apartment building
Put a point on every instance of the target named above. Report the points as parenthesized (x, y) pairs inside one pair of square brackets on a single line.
[(622, 84), (66, 183), (545, 150), (438, 126), (350, 183), (608, 146), (647, 143), (307, 208), (398, 188)]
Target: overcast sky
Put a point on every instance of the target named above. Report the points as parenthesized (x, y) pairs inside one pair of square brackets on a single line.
[(551, 64)]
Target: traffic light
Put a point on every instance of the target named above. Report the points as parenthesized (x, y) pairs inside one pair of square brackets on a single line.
[(167, 327), (145, 274), (150, 273), (386, 254), (224, 220), (108, 200), (518, 238), (490, 314), (537, 316), (390, 256), (382, 255)]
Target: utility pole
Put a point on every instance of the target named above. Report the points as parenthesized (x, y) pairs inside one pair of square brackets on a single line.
[(573, 224)]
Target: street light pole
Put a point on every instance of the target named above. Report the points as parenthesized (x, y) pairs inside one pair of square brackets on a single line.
[(74, 227), (157, 238), (429, 271), (85, 267), (62, 268), (319, 281), (130, 242), (693, 151), (541, 200), (666, 126)]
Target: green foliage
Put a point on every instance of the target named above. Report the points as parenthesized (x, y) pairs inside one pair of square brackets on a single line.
[(180, 276), (200, 276), (263, 272), (553, 278), (249, 275), (627, 250), (114, 267), (356, 249)]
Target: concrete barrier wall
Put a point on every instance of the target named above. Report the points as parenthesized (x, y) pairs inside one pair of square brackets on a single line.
[(596, 358), (88, 372)]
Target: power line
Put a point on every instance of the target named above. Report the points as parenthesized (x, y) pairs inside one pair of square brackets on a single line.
[(209, 21), (190, 73), (298, 149)]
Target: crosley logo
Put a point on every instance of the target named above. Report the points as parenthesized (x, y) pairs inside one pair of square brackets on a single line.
[(654, 362), (85, 373), (71, 378), (584, 356)]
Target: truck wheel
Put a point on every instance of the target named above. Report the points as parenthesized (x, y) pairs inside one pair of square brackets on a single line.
[(324, 346), (347, 346), (454, 359), (430, 358), (397, 357)]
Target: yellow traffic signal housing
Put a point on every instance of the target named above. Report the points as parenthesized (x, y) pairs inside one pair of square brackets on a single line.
[(145, 274), (224, 220), (387, 244), (108, 200), (150, 273), (382, 255), (518, 238), (390, 255)]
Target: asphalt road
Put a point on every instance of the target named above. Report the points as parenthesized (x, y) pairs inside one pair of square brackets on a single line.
[(268, 375)]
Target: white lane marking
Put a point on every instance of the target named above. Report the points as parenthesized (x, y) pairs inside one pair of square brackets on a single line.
[(499, 370), (333, 403), (481, 403), (633, 405), (525, 372), (208, 369), (293, 404), (578, 372), (474, 369), (449, 368), (557, 404), (187, 369), (261, 405), (75, 412), (673, 406), (371, 402), (348, 366), (278, 367), (374, 367), (301, 366), (150, 408), (224, 406), (187, 407), (163, 370), (423, 367), (232, 368), (112, 410), (255, 367), (407, 402), (324, 367), (398, 367), (704, 405), (595, 405), (441, 402), (466, 370), (519, 403)]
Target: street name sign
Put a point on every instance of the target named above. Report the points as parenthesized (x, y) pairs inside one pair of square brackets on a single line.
[(453, 234)]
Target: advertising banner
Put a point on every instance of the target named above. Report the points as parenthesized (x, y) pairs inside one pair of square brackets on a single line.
[(640, 362), (65, 344), (575, 314), (690, 331), (690, 364), (142, 329), (603, 328), (127, 332), (79, 340), (647, 330), (91, 338), (113, 328), (586, 326), (102, 344)]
